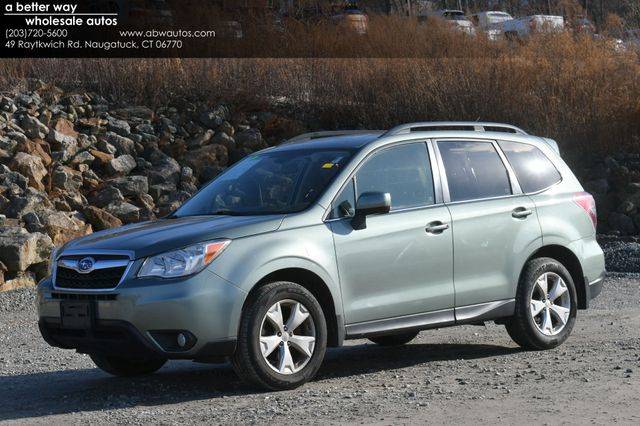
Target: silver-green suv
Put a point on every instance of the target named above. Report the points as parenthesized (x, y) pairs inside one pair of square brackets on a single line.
[(334, 236)]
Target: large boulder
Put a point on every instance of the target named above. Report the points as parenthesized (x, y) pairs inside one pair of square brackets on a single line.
[(126, 212), (122, 165), (211, 155), (21, 279), (67, 179), (101, 219), (31, 200), (63, 226), (63, 135), (214, 117), (122, 144), (31, 167), (131, 186), (19, 249), (165, 169), (33, 127), (106, 196), (120, 127)]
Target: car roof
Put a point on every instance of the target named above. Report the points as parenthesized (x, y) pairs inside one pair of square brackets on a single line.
[(357, 139), (352, 140)]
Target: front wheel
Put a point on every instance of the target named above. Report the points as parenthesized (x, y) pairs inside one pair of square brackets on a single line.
[(127, 367), (282, 337), (546, 305)]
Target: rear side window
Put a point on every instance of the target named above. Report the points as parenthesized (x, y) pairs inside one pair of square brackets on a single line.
[(474, 170), (403, 171), (533, 169)]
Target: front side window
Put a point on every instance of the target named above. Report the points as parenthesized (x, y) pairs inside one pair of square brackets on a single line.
[(403, 171), (269, 183), (474, 170), (533, 169), (345, 203)]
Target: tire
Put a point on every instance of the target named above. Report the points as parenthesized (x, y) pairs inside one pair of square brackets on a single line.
[(126, 367), (394, 339), (258, 334), (557, 310)]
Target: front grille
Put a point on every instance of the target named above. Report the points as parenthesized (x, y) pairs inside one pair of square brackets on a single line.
[(95, 280)]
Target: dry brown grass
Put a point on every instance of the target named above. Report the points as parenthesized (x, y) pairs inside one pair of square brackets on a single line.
[(576, 90)]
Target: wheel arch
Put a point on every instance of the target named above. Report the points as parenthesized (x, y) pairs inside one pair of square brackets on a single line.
[(570, 261), (320, 290)]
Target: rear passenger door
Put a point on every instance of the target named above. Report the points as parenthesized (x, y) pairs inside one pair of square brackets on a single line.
[(495, 225)]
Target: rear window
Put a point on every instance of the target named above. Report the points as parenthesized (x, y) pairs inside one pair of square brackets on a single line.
[(533, 169)]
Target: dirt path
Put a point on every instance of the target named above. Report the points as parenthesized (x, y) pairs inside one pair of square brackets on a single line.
[(456, 375)]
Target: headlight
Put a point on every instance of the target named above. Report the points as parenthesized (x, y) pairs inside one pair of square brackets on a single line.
[(186, 261)]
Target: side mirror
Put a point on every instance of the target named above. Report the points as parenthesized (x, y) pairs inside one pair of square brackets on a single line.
[(370, 203)]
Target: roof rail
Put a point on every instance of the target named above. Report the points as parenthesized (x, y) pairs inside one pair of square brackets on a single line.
[(325, 134), (454, 125)]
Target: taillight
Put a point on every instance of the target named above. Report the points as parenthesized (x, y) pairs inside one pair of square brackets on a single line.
[(588, 204)]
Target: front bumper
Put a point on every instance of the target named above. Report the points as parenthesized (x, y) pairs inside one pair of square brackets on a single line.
[(132, 319)]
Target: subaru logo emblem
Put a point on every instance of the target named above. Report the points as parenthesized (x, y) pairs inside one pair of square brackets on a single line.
[(86, 264)]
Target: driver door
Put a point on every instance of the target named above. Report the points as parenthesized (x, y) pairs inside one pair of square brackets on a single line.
[(398, 265)]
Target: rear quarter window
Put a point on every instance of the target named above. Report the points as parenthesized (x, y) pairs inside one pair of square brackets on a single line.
[(533, 169)]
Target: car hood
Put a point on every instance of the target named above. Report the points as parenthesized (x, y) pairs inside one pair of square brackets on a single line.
[(150, 238)]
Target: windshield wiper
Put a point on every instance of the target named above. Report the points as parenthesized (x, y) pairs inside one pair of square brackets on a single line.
[(225, 212)]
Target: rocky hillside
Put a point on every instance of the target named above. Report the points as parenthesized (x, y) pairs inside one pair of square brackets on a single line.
[(74, 163)]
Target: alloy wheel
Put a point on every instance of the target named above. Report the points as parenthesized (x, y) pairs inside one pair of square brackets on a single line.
[(550, 304), (287, 337)]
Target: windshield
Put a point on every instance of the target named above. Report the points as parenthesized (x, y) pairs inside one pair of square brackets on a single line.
[(268, 183)]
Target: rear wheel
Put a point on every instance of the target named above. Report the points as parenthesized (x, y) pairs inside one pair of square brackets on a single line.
[(127, 367), (282, 337), (546, 306), (394, 339)]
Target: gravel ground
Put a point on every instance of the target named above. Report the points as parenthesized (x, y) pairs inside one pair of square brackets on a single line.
[(468, 374)]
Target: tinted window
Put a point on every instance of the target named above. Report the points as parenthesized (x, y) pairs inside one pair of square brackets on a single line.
[(533, 169), (268, 183), (345, 203), (474, 170), (402, 171)]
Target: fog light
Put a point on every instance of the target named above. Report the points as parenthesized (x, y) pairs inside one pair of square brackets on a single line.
[(182, 340)]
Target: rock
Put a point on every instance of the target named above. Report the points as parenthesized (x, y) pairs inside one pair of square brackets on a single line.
[(238, 154), (106, 196), (35, 148), (126, 212), (121, 165), (211, 155), (31, 200), (19, 249), (201, 139), (136, 111), (131, 185), (31, 167), (63, 226), (210, 172), (214, 117), (33, 128), (160, 190), (251, 139), (101, 158), (621, 223), (597, 187), (106, 147), (63, 132), (101, 219), (120, 127), (165, 169), (32, 222), (225, 140), (67, 179), (121, 144), (21, 279), (84, 157)]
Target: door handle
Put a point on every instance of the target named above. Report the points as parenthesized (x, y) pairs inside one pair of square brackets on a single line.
[(521, 213), (437, 227)]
